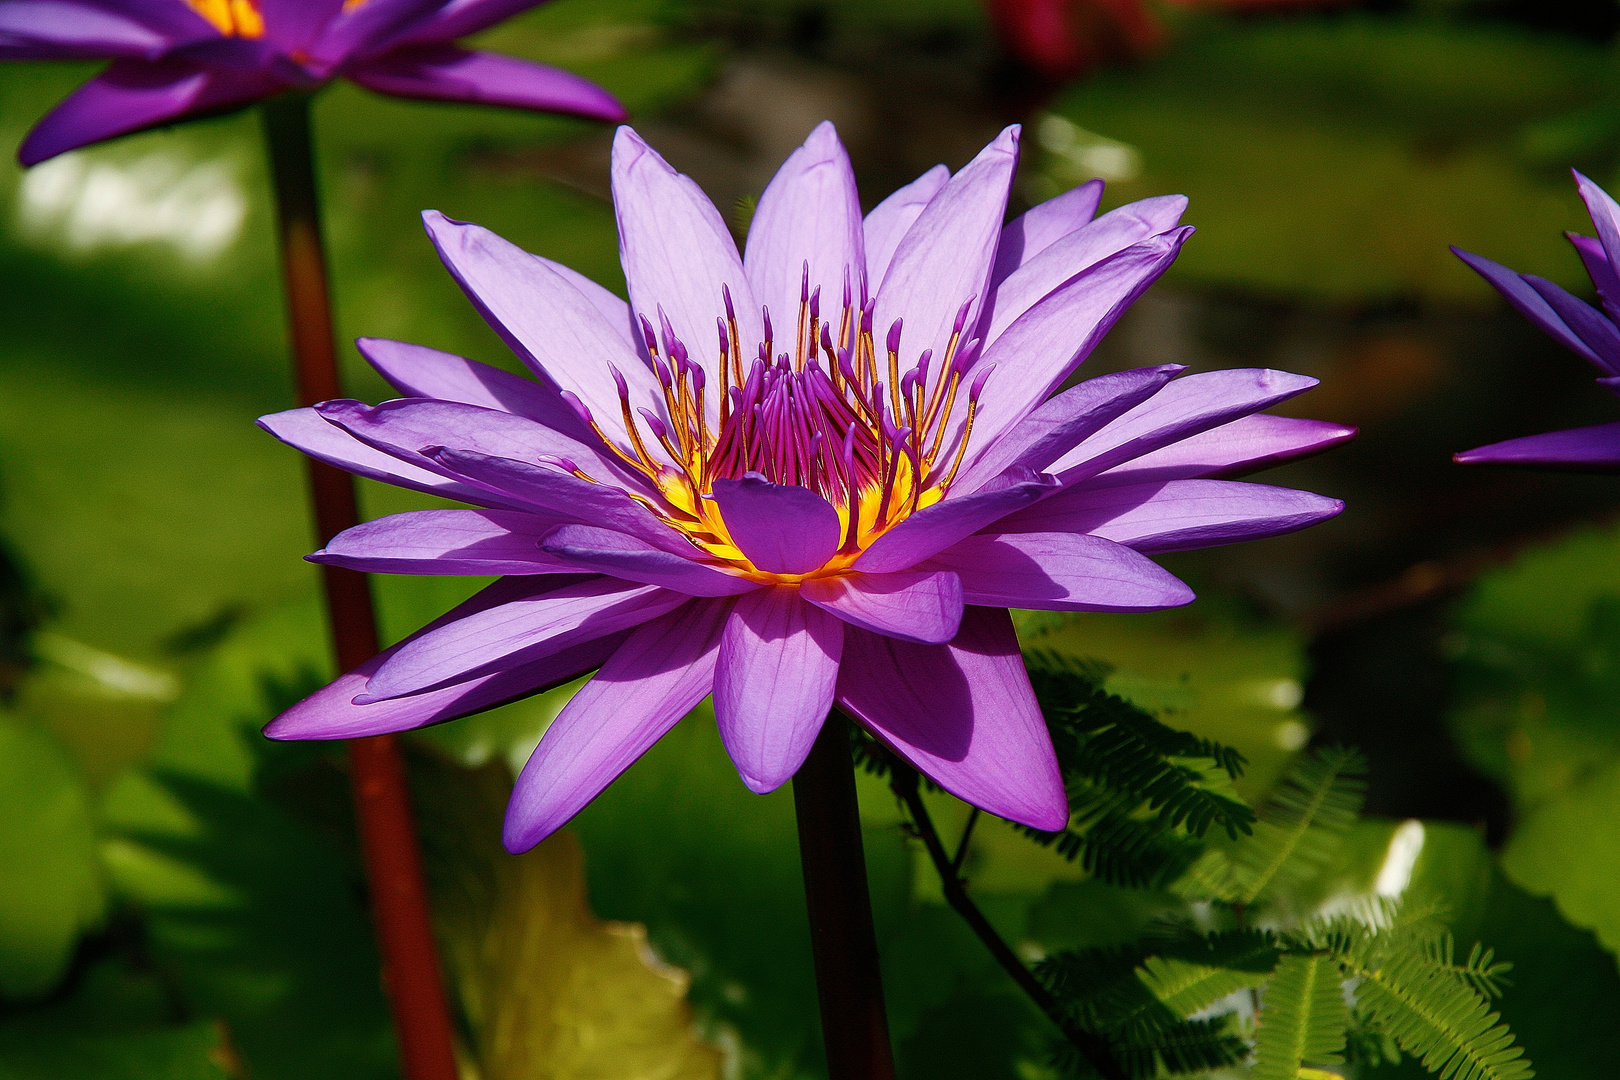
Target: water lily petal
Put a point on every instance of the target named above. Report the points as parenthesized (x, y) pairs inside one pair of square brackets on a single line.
[(678, 254), (1178, 515), (1595, 449), (1187, 406), (447, 542), (1039, 227), (654, 679), (330, 713), (918, 606), (781, 528), (1529, 304), (132, 95), (1603, 274), (774, 683), (603, 551), (1073, 254), (536, 618), (293, 25), (459, 18), (561, 494), (1059, 571), (892, 218), (1588, 324), (304, 429), (935, 528), (87, 30), (404, 427), (420, 372), (1058, 423), (550, 324), (446, 73), (963, 713), (944, 259), (360, 28), (1039, 351), (1247, 444), (809, 213)]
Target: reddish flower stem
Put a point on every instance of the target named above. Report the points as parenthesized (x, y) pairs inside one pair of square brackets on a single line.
[(393, 859), (849, 983)]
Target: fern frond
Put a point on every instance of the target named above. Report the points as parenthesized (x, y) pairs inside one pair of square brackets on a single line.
[(1115, 846), (1303, 1019), (1189, 1046), (1431, 1007), (1192, 974), (1481, 972), (1300, 829)]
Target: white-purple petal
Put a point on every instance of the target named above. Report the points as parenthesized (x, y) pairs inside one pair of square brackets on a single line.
[(590, 549), (1594, 449), (447, 542), (1042, 225), (781, 528), (922, 606), (935, 528), (446, 73), (1059, 571), (663, 670), (774, 683), (1247, 444), (892, 218)]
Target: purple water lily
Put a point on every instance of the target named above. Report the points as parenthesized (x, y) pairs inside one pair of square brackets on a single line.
[(818, 474), (177, 58), (1590, 333)]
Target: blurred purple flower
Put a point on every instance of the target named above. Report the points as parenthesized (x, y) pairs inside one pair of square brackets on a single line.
[(177, 58), (1578, 326), (763, 479)]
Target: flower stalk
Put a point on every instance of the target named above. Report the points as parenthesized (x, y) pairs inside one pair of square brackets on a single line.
[(904, 782), (849, 981), (382, 802)]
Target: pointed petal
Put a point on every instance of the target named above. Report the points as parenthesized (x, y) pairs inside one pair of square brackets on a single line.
[(1589, 325), (1605, 214), (677, 253), (85, 30), (603, 551), (405, 427), (304, 429), (420, 372), (663, 670), (1594, 449), (360, 28), (916, 606), (459, 18), (1060, 422), (447, 542), (331, 713), (1180, 515), (561, 494), (542, 317), (1085, 247), (944, 259), (892, 218), (1187, 406), (133, 95), (1247, 444), (810, 212), (1529, 303), (935, 528), (1603, 275), (774, 683), (1039, 351), (536, 618), (293, 25), (963, 713), (1038, 228), (446, 73), (781, 528), (1060, 572)]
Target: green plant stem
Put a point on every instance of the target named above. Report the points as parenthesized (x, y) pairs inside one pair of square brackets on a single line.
[(849, 981), (904, 782), (393, 859)]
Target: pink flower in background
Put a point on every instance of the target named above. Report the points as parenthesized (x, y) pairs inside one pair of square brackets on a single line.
[(818, 474), (173, 59)]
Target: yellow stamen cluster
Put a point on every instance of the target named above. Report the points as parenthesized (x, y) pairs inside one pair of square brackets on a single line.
[(234, 18)]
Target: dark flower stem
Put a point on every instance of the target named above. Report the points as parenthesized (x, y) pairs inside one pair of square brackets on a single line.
[(849, 982), (1093, 1047), (388, 836)]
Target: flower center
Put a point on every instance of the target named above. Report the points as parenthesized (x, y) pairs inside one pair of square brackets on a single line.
[(875, 442), (233, 18)]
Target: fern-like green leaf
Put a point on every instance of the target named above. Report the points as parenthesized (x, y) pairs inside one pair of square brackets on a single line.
[(1299, 831), (1430, 1006), (1117, 845), (1192, 974), (1303, 1020)]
